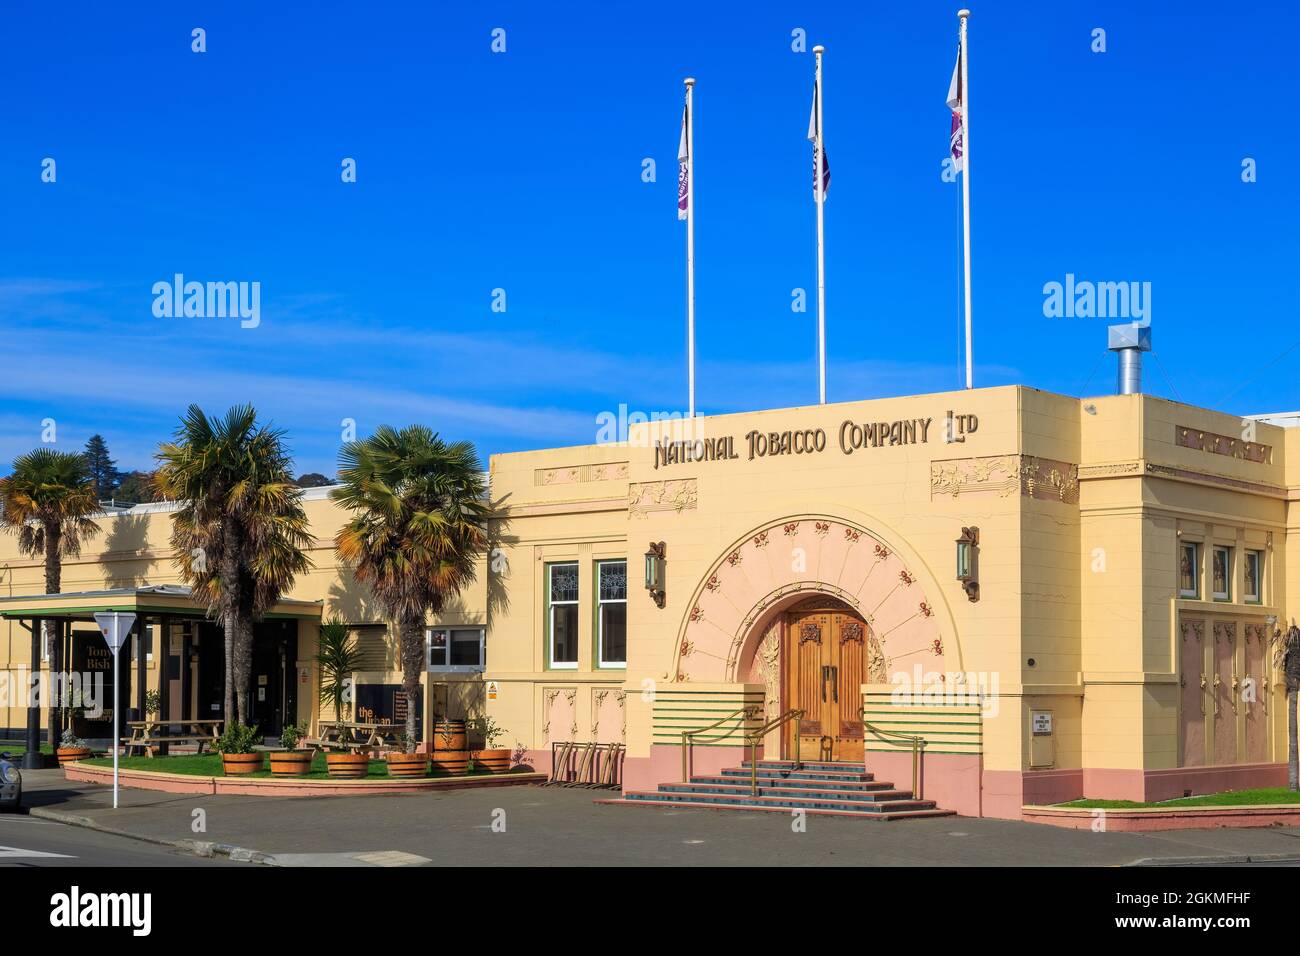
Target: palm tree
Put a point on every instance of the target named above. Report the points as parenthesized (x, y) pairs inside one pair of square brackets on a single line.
[(419, 524), (240, 533), (338, 658), (1287, 649), (47, 501)]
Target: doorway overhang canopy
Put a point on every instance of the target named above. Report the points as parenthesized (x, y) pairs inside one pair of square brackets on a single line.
[(175, 600)]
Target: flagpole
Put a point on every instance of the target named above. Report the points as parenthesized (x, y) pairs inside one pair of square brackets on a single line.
[(964, 15), (820, 174), (690, 243)]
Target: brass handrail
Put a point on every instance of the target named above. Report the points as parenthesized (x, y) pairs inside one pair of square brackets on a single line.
[(688, 736), (753, 741), (917, 744)]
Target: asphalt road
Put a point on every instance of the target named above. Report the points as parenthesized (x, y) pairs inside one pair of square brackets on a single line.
[(557, 826), (29, 841)]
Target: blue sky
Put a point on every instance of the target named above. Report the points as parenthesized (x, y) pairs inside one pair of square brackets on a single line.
[(522, 171)]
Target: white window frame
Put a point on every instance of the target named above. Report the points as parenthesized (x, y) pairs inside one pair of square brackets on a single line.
[(1195, 593), (1258, 596), (600, 618), (551, 605), (1222, 596), (446, 668)]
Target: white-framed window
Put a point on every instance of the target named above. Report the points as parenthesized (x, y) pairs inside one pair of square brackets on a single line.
[(1253, 587), (456, 649), (1221, 573), (562, 615), (1189, 570), (611, 613)]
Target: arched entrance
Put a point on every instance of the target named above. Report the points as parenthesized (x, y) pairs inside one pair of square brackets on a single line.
[(825, 655)]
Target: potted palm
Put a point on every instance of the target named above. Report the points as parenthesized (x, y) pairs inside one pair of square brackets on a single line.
[(338, 658), (450, 746), (491, 757), (291, 762), (71, 748), (238, 749)]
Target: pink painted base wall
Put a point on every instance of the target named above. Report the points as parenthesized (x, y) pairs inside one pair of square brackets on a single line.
[(664, 765), (1147, 786), (951, 780)]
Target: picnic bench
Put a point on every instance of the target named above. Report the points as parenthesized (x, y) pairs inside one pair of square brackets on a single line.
[(351, 735), (148, 735)]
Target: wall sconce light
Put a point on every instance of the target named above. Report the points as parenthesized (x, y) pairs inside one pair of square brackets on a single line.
[(967, 562), (654, 572)]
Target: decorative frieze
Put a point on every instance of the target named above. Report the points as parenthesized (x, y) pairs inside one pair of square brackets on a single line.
[(1003, 476), (1202, 440), (677, 495), (578, 474)]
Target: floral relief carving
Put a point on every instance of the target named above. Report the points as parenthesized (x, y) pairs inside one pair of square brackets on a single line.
[(851, 631), (651, 496), (810, 632)]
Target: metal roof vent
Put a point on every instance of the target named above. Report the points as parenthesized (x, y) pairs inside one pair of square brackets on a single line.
[(1129, 342)]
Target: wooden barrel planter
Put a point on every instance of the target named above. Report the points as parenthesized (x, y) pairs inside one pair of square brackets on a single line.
[(449, 735), (347, 765), (69, 755), (236, 765), (407, 765), (291, 763), (451, 761), (496, 760)]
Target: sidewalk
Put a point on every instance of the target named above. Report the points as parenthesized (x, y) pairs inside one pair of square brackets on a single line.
[(557, 826)]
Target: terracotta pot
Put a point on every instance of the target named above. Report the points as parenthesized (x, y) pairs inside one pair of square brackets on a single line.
[(451, 761), (69, 755), (291, 763), (347, 765), (407, 765), (496, 760), (235, 765), (449, 735)]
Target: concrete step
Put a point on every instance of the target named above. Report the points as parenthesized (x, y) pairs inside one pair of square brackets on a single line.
[(731, 789), (788, 774), (819, 783), (799, 802), (651, 801)]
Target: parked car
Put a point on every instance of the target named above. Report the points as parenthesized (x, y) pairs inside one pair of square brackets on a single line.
[(11, 784)]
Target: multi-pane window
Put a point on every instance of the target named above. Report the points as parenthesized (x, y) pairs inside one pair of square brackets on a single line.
[(1189, 570), (611, 590), (562, 611), (1254, 577), (1221, 574), (456, 648)]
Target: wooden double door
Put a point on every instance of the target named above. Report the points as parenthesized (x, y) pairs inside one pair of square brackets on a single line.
[(824, 663)]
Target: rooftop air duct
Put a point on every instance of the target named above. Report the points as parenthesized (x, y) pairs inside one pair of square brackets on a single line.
[(1129, 342)]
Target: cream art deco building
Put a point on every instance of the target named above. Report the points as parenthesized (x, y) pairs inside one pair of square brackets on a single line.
[(1059, 597)]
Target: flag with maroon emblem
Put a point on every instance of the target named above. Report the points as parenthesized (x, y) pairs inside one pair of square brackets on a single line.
[(683, 170), (956, 103), (820, 158)]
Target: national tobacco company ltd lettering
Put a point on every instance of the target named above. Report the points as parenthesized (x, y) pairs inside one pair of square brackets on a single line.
[(852, 437)]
